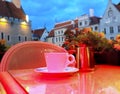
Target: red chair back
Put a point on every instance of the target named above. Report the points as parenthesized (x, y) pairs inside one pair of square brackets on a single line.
[(27, 55)]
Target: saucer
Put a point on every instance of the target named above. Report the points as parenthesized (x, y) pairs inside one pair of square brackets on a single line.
[(67, 72)]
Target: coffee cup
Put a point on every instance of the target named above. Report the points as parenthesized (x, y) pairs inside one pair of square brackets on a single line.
[(57, 62)]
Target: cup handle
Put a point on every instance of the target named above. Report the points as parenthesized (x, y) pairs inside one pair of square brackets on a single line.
[(70, 56)]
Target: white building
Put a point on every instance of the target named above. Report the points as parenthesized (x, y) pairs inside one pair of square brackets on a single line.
[(85, 21), (57, 36), (110, 22)]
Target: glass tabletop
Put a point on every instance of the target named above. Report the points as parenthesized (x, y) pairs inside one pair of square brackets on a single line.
[(105, 79)]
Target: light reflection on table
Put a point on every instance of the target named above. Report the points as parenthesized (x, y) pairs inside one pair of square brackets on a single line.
[(2, 90), (104, 80)]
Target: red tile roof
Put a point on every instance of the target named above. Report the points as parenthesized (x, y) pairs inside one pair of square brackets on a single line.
[(8, 9), (117, 6), (67, 24), (51, 34), (62, 24), (94, 20), (39, 32)]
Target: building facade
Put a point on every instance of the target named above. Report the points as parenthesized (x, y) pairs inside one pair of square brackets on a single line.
[(14, 24), (110, 22)]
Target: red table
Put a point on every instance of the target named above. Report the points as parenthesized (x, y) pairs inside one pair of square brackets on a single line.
[(105, 79)]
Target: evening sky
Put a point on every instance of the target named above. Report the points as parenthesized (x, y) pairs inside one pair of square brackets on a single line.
[(45, 13)]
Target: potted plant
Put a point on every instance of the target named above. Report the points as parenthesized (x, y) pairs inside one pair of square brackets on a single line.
[(92, 39), (87, 37)]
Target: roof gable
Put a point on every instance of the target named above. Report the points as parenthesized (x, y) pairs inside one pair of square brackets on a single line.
[(39, 32), (109, 6)]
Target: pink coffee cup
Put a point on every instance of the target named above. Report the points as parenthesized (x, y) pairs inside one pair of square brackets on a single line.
[(57, 62)]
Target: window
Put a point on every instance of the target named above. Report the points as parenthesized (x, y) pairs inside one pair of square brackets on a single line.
[(8, 38), (19, 38), (59, 39), (25, 38), (58, 32), (104, 30), (112, 38), (56, 39), (85, 22), (62, 39), (2, 35), (55, 33), (62, 31), (96, 28), (52, 40), (111, 30), (119, 29), (80, 23)]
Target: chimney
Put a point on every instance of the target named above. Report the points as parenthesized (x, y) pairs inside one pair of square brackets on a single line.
[(91, 11), (16, 3)]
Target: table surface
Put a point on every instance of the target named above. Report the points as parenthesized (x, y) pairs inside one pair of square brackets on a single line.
[(105, 79)]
